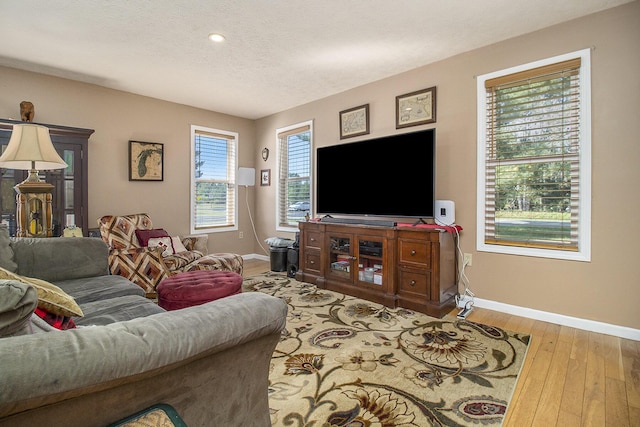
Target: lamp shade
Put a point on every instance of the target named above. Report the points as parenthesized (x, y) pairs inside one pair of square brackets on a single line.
[(30, 147)]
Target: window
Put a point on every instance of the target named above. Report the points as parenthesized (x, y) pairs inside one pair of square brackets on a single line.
[(213, 174), (534, 156), (294, 175)]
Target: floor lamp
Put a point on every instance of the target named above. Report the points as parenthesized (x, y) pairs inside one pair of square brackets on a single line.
[(247, 177), (30, 148)]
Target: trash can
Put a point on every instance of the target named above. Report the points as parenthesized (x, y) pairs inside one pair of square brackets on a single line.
[(278, 258)]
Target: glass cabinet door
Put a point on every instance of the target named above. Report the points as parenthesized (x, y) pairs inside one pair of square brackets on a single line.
[(370, 258), (340, 256)]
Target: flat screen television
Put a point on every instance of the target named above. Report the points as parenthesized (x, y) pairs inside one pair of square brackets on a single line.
[(391, 176)]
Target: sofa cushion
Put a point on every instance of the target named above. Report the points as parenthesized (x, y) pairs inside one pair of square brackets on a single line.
[(50, 297), (17, 303), (117, 309), (60, 258), (6, 253), (98, 288), (143, 236)]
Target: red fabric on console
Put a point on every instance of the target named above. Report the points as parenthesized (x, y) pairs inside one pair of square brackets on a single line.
[(447, 228), (197, 287)]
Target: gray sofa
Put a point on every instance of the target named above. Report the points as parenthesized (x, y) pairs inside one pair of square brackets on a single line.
[(209, 362)]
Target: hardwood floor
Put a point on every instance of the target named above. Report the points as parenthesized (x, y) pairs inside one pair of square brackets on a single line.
[(570, 377)]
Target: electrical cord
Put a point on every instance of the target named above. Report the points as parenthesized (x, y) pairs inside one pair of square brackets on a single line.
[(246, 198), (462, 277)]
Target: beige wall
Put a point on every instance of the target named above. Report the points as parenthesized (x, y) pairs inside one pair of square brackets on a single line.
[(118, 117), (605, 289)]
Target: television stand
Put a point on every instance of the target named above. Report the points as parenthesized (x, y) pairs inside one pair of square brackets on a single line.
[(410, 267)]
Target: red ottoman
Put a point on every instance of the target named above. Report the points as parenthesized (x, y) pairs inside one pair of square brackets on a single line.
[(197, 287)]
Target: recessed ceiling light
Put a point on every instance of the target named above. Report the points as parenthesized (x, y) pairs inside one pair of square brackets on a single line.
[(218, 38)]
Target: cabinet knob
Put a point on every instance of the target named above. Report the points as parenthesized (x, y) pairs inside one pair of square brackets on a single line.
[(412, 283), (312, 262), (413, 253), (312, 239)]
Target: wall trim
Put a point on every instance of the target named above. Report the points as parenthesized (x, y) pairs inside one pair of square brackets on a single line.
[(561, 319), (256, 256), (545, 316)]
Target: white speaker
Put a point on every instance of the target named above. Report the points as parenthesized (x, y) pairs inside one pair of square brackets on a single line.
[(246, 177), (445, 212)]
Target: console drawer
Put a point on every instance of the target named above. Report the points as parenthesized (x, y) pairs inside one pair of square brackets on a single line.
[(416, 253), (312, 261), (414, 282), (313, 239)]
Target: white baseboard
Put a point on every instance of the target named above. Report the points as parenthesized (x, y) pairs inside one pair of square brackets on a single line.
[(545, 316), (560, 319), (256, 256)]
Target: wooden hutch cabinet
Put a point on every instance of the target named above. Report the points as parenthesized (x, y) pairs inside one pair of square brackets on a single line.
[(69, 196), (395, 266)]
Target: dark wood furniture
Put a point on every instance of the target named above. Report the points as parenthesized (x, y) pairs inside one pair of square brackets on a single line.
[(70, 192), (407, 267)]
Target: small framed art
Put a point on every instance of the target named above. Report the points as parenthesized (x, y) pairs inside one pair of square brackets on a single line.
[(146, 161), (354, 121), (416, 108), (265, 177)]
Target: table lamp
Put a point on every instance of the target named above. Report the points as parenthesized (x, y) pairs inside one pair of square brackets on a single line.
[(30, 148)]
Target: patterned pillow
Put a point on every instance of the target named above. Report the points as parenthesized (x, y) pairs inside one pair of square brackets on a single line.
[(164, 243)]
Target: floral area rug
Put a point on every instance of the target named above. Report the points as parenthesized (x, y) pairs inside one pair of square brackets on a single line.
[(344, 361)]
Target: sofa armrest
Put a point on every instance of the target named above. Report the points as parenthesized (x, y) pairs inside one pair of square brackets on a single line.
[(60, 258), (187, 358)]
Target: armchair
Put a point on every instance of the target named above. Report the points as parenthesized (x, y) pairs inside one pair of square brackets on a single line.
[(146, 266)]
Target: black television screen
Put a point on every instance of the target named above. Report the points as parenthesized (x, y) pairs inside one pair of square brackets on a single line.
[(392, 176)]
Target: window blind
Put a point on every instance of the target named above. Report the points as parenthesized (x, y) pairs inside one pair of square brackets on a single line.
[(294, 179), (214, 177), (532, 184)]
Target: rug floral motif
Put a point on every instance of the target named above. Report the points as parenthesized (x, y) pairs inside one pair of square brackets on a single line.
[(344, 361)]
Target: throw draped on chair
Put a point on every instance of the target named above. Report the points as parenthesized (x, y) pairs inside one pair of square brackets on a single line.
[(146, 266)]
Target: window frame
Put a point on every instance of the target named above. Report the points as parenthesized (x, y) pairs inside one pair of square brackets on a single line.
[(584, 221), (279, 169), (233, 139)]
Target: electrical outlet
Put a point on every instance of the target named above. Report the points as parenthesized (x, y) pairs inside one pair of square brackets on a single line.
[(466, 260), (241, 236)]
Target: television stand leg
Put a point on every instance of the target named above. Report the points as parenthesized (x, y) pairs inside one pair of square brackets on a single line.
[(419, 221)]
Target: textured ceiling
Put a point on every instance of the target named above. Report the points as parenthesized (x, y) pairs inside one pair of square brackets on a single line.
[(279, 53)]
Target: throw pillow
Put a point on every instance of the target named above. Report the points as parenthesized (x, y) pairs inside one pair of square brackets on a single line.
[(177, 245), (6, 252), (17, 303), (50, 297), (165, 243), (144, 235)]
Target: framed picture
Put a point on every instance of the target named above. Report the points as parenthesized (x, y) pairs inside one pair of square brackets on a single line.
[(416, 108), (146, 161), (354, 121), (265, 177)]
